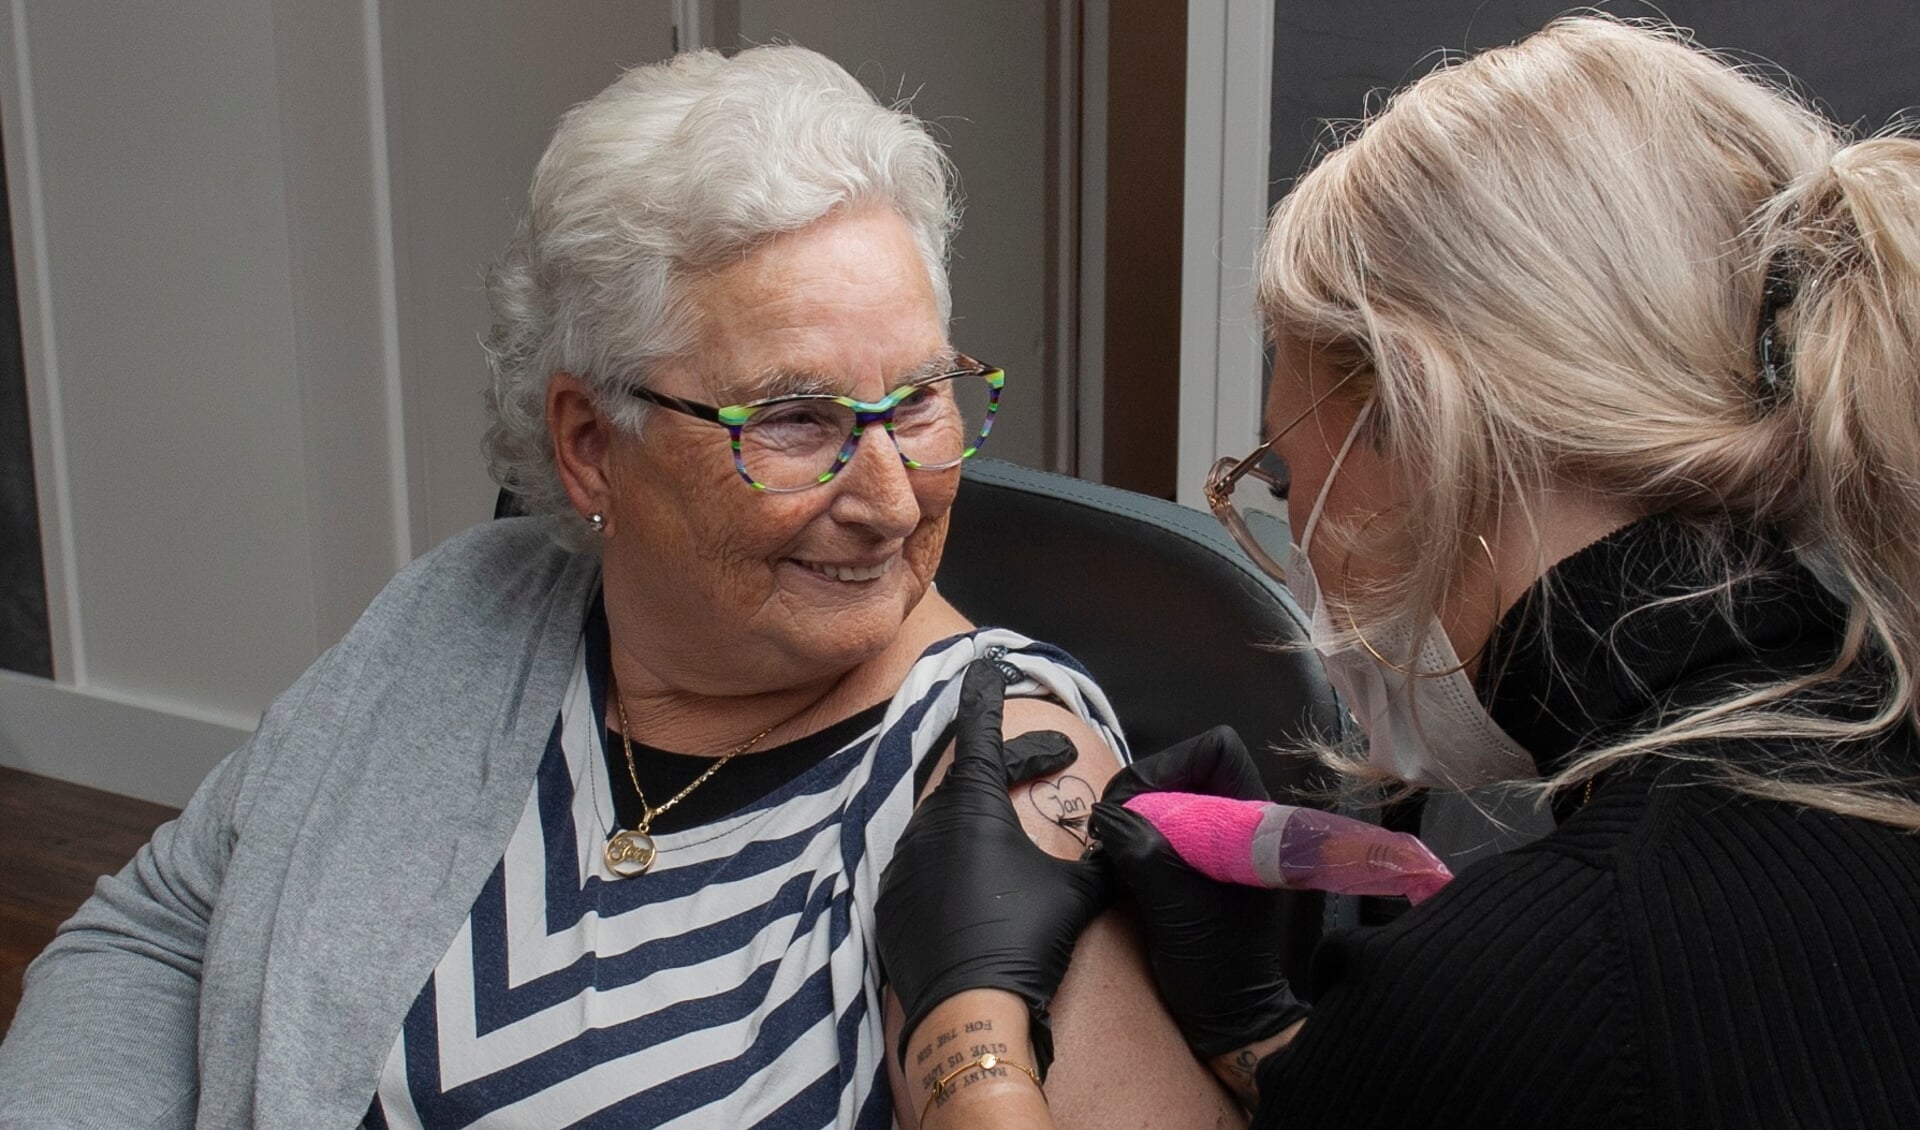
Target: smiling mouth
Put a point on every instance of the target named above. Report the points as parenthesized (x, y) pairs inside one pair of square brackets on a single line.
[(849, 572)]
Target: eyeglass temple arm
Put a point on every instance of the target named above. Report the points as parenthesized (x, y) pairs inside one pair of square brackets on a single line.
[(1253, 457), (1266, 445), (690, 407)]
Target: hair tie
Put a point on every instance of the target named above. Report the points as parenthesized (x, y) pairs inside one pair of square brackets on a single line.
[(1771, 357)]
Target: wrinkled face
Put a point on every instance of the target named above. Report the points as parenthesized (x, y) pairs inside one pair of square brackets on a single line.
[(733, 590)]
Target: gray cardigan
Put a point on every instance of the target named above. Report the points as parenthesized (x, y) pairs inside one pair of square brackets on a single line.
[(253, 963)]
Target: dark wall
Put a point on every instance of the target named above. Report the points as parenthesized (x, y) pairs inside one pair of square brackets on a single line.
[(24, 642), (1146, 122), (1856, 57)]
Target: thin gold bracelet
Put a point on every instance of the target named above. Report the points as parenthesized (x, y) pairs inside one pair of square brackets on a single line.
[(986, 1061)]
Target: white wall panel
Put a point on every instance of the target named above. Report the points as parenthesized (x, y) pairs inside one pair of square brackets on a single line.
[(1222, 358), (340, 290), (165, 225), (473, 93), (250, 236), (154, 751)]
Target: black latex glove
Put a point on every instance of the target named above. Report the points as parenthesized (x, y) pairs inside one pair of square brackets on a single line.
[(1215, 947), (968, 901)]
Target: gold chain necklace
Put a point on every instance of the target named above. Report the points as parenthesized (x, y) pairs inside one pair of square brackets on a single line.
[(630, 851)]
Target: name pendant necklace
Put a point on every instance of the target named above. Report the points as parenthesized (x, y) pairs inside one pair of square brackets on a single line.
[(631, 851)]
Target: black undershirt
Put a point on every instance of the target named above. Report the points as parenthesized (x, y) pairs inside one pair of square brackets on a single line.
[(742, 781)]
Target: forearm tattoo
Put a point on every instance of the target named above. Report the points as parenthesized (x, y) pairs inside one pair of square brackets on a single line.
[(947, 1050), (1241, 1072)]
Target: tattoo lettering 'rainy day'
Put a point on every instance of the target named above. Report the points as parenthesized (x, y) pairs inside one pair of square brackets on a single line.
[(948, 1051)]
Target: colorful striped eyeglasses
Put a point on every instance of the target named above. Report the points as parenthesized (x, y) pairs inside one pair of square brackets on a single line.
[(790, 443)]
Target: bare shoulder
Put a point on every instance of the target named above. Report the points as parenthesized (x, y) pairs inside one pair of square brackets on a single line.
[(1054, 809)]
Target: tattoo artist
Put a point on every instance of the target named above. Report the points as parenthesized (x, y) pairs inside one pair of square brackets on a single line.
[(1598, 364)]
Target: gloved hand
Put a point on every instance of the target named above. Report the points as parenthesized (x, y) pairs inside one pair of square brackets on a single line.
[(968, 901), (1214, 947)]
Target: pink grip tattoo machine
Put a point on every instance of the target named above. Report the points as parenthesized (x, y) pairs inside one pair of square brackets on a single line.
[(1260, 844)]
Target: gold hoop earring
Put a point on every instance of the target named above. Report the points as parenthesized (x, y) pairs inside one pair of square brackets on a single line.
[(1389, 664)]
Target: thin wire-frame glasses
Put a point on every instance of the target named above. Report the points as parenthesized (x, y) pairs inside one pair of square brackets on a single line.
[(791, 443), (1225, 478)]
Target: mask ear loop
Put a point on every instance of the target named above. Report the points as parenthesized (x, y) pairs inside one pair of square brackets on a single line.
[(1409, 671), (1339, 459)]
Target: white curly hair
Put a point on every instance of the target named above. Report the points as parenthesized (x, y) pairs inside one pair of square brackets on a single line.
[(673, 168)]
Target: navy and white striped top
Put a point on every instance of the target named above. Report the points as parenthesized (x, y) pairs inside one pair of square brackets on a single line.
[(731, 985)]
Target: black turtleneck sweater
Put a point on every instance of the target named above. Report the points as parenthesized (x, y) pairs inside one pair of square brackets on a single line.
[(1674, 954)]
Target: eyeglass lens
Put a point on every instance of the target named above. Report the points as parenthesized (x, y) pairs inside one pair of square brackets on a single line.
[(1259, 500), (790, 444)]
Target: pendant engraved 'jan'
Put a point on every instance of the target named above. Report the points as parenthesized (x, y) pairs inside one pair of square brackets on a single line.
[(629, 853)]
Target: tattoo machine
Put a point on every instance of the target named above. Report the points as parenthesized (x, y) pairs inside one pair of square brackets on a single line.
[(1260, 844)]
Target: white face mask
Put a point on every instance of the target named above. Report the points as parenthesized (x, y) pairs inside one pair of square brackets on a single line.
[(1427, 730)]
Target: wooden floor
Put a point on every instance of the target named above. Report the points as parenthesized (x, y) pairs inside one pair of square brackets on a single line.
[(55, 840)]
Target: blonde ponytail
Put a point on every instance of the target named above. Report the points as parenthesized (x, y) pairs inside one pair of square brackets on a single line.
[(1848, 237)]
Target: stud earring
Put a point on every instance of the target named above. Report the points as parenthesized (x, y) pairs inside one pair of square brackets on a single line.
[(598, 521)]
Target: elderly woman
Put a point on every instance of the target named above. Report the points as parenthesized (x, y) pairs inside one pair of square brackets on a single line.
[(1597, 418), (582, 823)]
